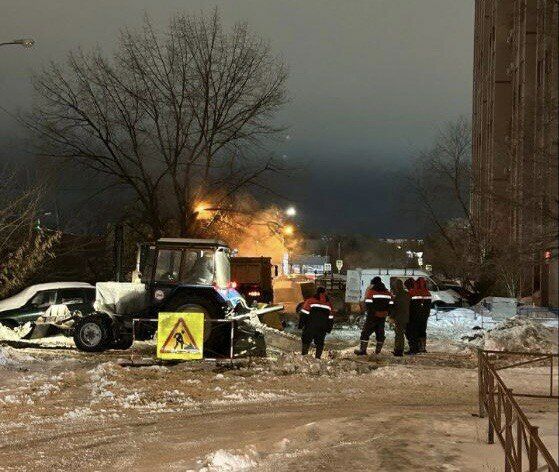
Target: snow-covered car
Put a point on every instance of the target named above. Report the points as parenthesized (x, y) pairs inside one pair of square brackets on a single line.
[(34, 301), (497, 307), (468, 297)]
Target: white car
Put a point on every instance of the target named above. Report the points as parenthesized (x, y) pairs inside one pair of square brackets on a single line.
[(359, 279), (34, 301)]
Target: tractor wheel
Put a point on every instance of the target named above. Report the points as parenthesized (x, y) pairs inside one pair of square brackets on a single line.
[(217, 336), (198, 307), (93, 333)]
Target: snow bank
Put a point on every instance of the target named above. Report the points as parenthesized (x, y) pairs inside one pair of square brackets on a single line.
[(10, 357), (224, 461), (295, 363), (59, 340), (7, 334), (515, 334), (455, 323)]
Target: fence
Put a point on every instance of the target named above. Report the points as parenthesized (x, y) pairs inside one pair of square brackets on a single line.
[(332, 282), (519, 438)]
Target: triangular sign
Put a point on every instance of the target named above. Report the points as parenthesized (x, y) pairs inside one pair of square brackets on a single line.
[(182, 339)]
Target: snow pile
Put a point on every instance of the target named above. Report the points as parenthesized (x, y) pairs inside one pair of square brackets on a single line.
[(10, 357), (515, 334), (224, 461), (7, 334), (101, 386), (295, 363), (79, 413), (455, 323)]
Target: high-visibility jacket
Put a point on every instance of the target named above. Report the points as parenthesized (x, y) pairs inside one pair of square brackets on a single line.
[(377, 302), (317, 314), (420, 299)]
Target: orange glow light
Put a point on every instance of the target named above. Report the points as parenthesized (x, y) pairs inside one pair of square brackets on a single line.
[(202, 209), (288, 230)]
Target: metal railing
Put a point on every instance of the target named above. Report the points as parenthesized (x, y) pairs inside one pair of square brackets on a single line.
[(519, 438)]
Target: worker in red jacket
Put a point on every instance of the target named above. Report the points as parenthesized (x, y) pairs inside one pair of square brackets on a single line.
[(316, 320), (420, 308), (377, 302)]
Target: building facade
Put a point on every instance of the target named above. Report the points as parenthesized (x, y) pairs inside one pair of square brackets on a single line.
[(514, 136)]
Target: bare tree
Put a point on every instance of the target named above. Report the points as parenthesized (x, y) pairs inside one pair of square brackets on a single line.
[(440, 181), (180, 117), (24, 245), (442, 184)]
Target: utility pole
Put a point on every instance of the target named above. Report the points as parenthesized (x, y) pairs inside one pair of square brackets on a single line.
[(118, 247)]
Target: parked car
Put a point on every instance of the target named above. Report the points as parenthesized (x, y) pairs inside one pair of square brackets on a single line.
[(33, 301), (359, 279), (467, 295)]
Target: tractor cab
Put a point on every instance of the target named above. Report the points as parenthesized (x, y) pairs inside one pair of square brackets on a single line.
[(172, 262)]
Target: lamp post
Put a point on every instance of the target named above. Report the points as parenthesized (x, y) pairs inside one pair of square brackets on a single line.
[(291, 211), (25, 42)]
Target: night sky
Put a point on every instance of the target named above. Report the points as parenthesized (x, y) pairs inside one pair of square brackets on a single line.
[(370, 83)]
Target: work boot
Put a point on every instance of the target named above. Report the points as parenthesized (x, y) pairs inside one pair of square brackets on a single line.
[(422, 345), (398, 353), (378, 348), (305, 349), (362, 351), (412, 350)]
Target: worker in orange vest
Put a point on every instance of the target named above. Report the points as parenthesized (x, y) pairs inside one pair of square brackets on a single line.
[(377, 302), (420, 308), (316, 320)]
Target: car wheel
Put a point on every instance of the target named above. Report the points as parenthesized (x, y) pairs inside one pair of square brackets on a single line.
[(93, 333)]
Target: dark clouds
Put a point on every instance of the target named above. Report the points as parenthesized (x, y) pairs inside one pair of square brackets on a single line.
[(370, 81)]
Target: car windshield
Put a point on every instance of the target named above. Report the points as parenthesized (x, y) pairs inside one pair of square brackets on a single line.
[(189, 266)]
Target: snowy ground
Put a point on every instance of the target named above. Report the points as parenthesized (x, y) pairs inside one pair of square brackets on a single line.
[(65, 410)]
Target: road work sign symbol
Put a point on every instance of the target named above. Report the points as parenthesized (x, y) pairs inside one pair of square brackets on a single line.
[(180, 336)]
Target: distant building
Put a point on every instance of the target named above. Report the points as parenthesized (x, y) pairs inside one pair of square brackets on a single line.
[(514, 135), (308, 264), (402, 241)]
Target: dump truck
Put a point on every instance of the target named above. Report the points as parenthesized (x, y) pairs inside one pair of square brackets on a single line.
[(253, 278), (176, 275)]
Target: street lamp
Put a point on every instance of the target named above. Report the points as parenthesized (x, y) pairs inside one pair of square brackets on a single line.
[(288, 230), (291, 211), (25, 42)]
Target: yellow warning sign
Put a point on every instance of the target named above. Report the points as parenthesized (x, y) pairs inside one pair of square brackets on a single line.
[(180, 336)]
